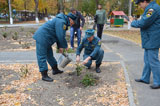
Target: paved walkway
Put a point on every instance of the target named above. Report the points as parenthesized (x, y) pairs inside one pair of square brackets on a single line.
[(20, 25), (116, 50), (132, 55)]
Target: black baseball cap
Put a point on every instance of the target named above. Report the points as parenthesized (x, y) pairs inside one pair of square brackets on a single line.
[(138, 1)]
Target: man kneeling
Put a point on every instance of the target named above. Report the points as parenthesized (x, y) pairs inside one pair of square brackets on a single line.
[(92, 50)]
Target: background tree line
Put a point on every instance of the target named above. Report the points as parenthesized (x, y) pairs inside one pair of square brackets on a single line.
[(88, 7)]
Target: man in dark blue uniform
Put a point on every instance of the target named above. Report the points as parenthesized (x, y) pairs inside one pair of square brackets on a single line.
[(150, 35), (92, 50), (51, 32)]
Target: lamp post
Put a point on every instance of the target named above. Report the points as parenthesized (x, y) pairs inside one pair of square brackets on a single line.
[(130, 8), (36, 10), (129, 13), (10, 12)]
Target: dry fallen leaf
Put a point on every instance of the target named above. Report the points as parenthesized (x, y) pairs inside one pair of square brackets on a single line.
[(29, 89), (55, 81), (17, 104), (15, 99), (75, 94)]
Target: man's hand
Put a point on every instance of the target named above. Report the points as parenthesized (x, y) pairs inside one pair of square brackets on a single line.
[(81, 28), (60, 50), (78, 58), (86, 60), (131, 18)]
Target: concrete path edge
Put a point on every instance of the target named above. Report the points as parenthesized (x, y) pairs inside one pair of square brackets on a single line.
[(128, 84)]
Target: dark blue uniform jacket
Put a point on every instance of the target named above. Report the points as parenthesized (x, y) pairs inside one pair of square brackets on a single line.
[(90, 48), (150, 26), (53, 31)]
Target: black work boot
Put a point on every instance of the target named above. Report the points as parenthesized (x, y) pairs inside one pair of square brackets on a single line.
[(98, 70), (55, 70), (45, 76)]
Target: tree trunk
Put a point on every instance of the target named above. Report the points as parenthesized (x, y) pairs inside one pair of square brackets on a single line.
[(25, 8), (46, 14), (97, 2), (72, 3), (77, 3), (36, 10), (60, 6)]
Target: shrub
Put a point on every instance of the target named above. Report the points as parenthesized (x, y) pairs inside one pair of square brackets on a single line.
[(32, 31), (26, 45), (88, 80), (66, 51), (15, 36), (24, 72), (4, 35), (70, 50), (79, 68)]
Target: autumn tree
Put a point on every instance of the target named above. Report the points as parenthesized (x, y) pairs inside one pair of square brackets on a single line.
[(3, 6), (36, 10), (90, 6)]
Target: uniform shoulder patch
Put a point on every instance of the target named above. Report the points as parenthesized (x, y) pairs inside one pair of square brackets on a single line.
[(64, 27), (99, 42), (150, 12)]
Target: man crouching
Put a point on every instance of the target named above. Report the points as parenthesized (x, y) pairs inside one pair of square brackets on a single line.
[(92, 50)]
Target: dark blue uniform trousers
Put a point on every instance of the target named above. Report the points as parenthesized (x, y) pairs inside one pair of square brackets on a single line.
[(44, 54), (98, 58), (151, 63)]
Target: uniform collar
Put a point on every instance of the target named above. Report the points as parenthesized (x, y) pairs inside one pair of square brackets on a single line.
[(150, 4), (64, 17)]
